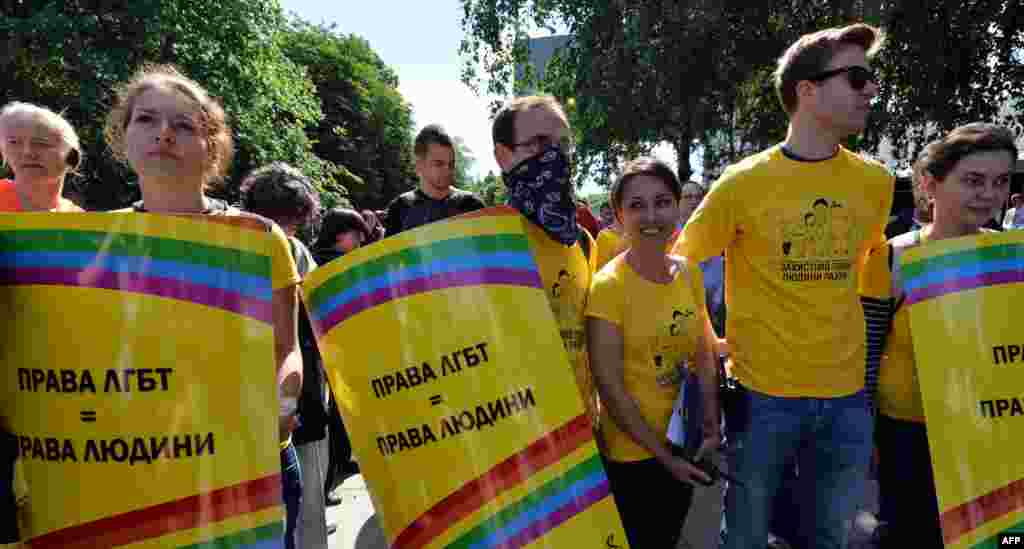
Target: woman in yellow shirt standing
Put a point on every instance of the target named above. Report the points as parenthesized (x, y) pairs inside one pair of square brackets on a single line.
[(647, 325), (966, 176), (176, 137)]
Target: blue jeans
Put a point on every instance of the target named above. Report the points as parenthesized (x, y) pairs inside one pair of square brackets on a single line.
[(291, 492), (830, 441)]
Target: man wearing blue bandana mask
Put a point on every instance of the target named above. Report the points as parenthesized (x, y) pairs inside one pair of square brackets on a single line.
[(533, 147)]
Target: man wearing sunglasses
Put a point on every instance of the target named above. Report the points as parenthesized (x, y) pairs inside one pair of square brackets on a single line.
[(796, 327)]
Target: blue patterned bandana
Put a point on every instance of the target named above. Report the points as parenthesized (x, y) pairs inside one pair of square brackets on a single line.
[(540, 188)]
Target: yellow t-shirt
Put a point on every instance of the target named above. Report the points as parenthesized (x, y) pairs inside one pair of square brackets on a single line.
[(283, 272), (660, 325), (566, 274), (609, 245), (796, 235)]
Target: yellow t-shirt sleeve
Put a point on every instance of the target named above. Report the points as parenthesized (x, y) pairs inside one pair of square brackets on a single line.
[(606, 300), (878, 240), (876, 279), (712, 227), (697, 286), (283, 271)]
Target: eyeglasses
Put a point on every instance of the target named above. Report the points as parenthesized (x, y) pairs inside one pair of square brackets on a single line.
[(857, 75), (540, 142)]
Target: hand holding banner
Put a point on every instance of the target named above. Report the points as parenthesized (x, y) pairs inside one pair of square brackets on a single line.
[(448, 368), (139, 357)]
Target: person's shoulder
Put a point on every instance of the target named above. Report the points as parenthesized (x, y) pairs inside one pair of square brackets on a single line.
[(613, 273), (403, 200), (872, 166), (755, 165)]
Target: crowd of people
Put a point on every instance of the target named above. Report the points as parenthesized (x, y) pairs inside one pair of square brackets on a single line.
[(790, 243)]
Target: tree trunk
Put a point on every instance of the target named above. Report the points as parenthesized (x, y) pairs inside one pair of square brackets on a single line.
[(683, 145)]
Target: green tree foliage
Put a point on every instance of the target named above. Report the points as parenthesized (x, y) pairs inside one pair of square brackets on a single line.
[(465, 164), (643, 72), (490, 189), (367, 125), (294, 92)]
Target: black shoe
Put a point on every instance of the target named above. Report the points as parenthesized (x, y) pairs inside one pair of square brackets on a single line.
[(331, 529), (331, 500)]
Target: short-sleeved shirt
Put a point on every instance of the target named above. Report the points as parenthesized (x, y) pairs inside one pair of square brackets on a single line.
[(661, 326), (566, 273), (284, 273), (415, 208), (609, 245), (10, 203), (796, 234)]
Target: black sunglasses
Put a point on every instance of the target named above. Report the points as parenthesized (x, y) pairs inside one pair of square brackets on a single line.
[(857, 75)]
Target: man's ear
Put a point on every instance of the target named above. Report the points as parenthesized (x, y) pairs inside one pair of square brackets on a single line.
[(927, 185), (503, 156), (805, 92), (73, 158)]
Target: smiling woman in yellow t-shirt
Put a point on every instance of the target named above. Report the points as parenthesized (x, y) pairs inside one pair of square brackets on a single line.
[(646, 325), (966, 175)]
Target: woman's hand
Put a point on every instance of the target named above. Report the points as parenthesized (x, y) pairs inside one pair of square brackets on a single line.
[(684, 471)]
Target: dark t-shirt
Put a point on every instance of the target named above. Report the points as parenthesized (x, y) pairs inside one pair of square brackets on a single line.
[(415, 208), (8, 509)]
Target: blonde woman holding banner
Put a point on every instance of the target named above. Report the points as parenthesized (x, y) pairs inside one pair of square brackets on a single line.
[(966, 175), (647, 324), (177, 139), (41, 148)]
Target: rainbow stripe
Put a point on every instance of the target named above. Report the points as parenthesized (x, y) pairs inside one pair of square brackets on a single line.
[(469, 261), (963, 270), (224, 278), (533, 516), (541, 511), (174, 516), (971, 515)]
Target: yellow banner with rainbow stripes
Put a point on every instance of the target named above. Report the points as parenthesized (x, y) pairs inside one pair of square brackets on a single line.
[(139, 379), (966, 296), (447, 365)]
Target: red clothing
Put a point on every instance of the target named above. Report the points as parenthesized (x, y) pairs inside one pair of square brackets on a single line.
[(587, 220), (9, 201)]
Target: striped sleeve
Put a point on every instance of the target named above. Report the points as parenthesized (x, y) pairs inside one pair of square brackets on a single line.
[(877, 302)]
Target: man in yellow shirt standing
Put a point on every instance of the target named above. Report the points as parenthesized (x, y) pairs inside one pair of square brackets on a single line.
[(533, 146), (795, 322)]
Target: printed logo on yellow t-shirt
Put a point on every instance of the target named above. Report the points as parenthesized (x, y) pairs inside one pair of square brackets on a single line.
[(669, 344), (565, 306), (818, 243)]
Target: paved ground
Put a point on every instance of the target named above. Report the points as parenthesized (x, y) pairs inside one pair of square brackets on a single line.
[(358, 527)]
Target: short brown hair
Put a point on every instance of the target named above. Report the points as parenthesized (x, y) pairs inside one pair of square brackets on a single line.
[(809, 56), (432, 134), (220, 145), (503, 130), (648, 166), (941, 157)]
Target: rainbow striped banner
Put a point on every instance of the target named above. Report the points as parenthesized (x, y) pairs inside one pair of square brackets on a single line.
[(449, 325), (142, 391), (454, 263), (186, 513), (215, 276), (962, 270), (963, 295)]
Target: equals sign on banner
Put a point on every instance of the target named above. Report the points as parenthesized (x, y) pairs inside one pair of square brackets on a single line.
[(88, 416), (435, 400)]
